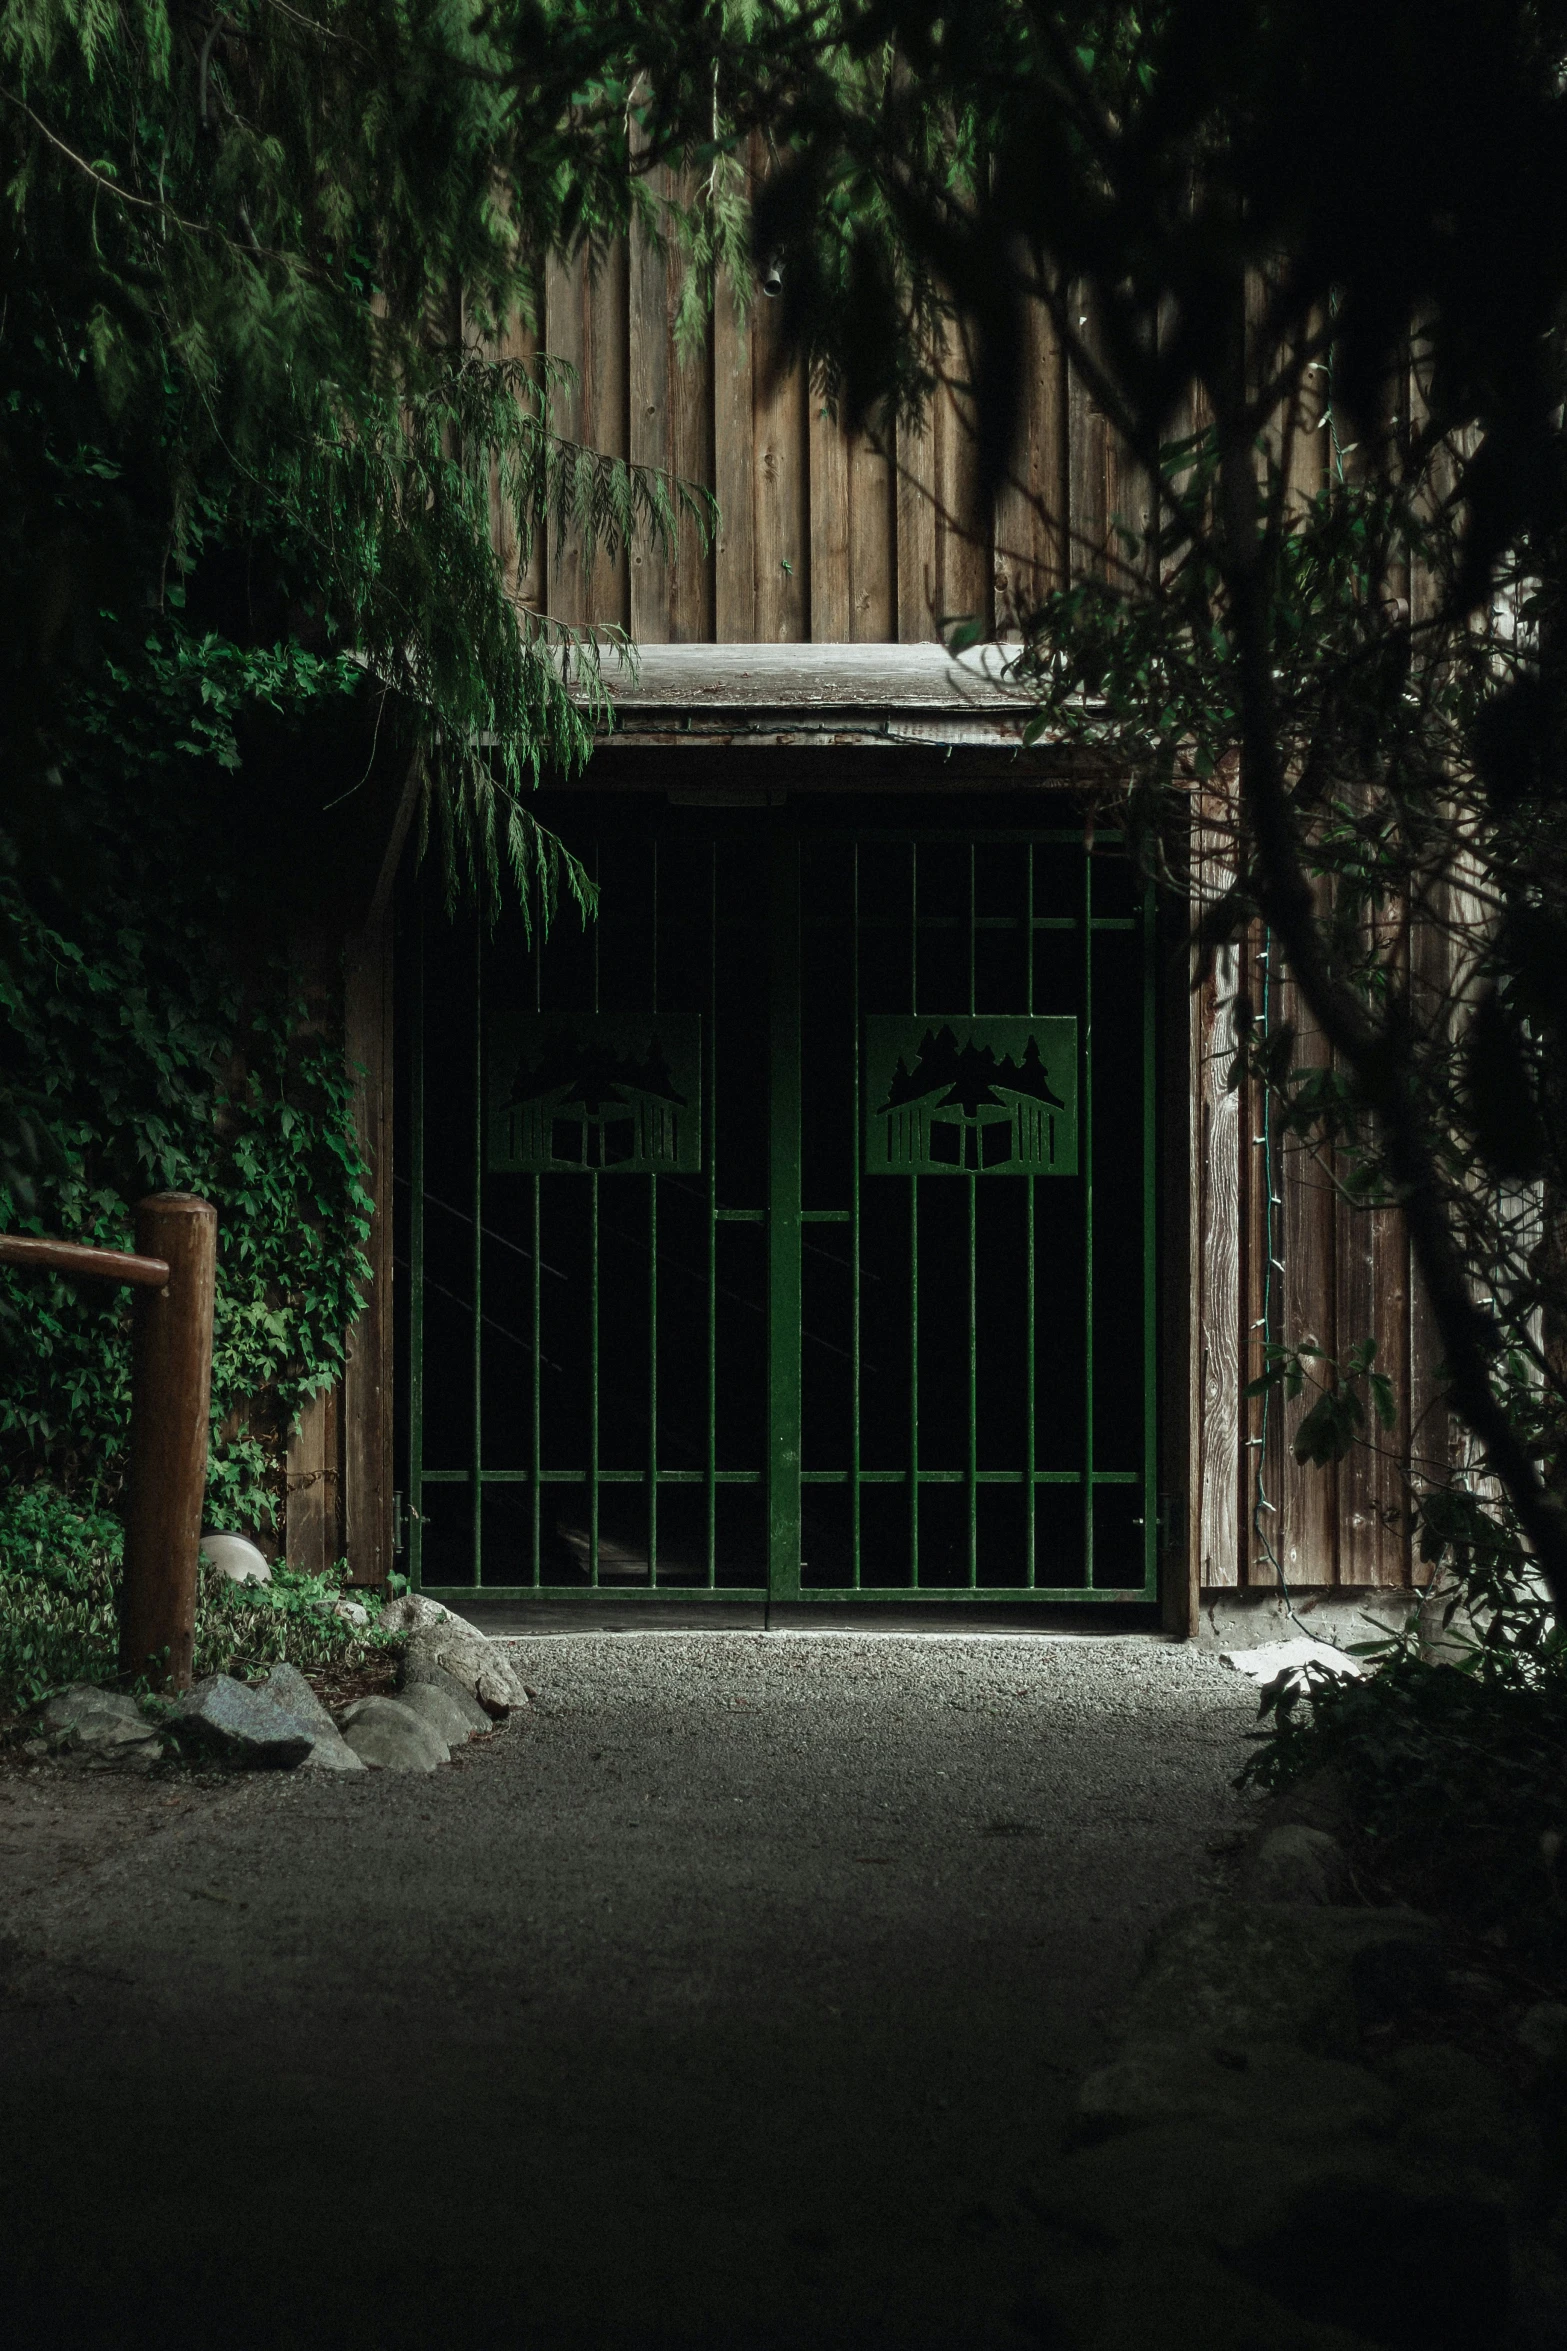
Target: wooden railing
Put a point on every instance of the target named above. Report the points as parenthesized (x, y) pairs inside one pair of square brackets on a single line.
[(173, 1272)]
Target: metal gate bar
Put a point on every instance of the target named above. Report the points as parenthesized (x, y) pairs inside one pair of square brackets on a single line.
[(782, 1473)]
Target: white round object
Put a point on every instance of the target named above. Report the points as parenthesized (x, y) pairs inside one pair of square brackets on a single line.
[(237, 1558)]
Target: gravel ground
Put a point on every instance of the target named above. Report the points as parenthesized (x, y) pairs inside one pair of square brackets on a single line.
[(731, 1996)]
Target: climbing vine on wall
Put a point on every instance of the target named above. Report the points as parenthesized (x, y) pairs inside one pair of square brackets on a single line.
[(164, 1051)]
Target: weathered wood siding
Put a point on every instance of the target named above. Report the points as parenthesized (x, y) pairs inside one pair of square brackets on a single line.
[(823, 538), (827, 539)]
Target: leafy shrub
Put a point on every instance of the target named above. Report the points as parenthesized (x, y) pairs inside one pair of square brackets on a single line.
[(154, 1056), (59, 1570), (1455, 1775)]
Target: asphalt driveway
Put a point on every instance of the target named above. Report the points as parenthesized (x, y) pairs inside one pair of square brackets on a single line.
[(731, 1996)]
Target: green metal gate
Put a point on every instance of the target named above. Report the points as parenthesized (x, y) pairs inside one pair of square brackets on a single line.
[(788, 1232)]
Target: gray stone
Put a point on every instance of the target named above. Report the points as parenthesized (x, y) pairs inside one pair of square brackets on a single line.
[(1271, 2086), (1231, 1972), (1543, 2031), (437, 1637), (1290, 2218), (237, 1558), (1159, 2295), (419, 1670), (1298, 1864), (287, 1688), (101, 1727), (385, 1732), (1461, 2113), (352, 1612), (244, 1724), (441, 1710)]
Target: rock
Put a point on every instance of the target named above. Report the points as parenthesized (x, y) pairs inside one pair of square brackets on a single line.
[(1543, 2031), (1230, 1972), (385, 1732), (437, 1637), (419, 1671), (1289, 1657), (352, 1612), (1271, 2086), (1354, 2239), (237, 1558), (1461, 2113), (329, 1750), (1298, 1864), (442, 1710), (1162, 2296), (414, 1614), (102, 1727), (244, 1724)]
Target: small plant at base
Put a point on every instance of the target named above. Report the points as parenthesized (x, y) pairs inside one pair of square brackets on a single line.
[(59, 1623)]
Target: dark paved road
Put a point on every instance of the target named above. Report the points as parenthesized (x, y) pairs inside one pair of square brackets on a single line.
[(729, 1998)]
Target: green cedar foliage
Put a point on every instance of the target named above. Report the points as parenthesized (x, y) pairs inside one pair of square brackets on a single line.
[(257, 456), (254, 265)]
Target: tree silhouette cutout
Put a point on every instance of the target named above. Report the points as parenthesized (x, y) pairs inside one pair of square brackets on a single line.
[(967, 1076)]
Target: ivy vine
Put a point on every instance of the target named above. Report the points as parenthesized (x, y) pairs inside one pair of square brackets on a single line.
[(156, 1055)]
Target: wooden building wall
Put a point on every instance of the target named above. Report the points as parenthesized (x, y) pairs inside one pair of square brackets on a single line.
[(827, 539)]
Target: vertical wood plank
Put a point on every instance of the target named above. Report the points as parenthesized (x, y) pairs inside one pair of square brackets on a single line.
[(1307, 1225), (524, 579), (832, 525), (367, 1370), (1373, 1296), (691, 605), (963, 560), (783, 523), (587, 312), (1087, 458), (919, 587), (313, 1540), (648, 380), (1215, 1237), (873, 530), (671, 428), (1029, 542), (733, 472), (1431, 973), (1262, 1443)]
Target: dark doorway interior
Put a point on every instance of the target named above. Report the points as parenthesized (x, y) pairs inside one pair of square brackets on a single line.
[(786, 1233)]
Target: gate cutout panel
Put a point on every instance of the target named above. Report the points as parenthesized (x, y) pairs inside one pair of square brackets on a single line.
[(581, 1093), (978, 1097), (708, 1287)]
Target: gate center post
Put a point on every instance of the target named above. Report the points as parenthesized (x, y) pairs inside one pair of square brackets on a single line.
[(783, 1218)]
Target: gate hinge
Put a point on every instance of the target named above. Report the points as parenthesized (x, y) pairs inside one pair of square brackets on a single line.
[(1171, 1522), (399, 1527)]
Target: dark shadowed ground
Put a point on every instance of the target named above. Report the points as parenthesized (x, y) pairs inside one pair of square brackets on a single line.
[(730, 1997)]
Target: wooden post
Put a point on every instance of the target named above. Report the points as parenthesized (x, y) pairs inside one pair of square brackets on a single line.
[(171, 1384)]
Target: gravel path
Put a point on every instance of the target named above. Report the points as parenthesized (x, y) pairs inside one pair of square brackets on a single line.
[(730, 1997)]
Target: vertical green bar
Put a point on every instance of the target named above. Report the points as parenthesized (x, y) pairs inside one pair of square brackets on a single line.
[(783, 1223), (478, 1254), (710, 1159), (973, 1286), (1030, 1369), (1085, 1126), (856, 1462), (595, 1462), (536, 1318), (652, 1283), (1150, 1253), (914, 1250), (416, 1263)]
